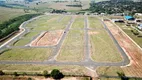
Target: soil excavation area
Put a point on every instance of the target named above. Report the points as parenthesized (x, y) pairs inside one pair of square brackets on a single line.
[(135, 54), (48, 38)]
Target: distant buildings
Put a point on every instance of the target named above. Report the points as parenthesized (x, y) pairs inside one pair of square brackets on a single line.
[(137, 0)]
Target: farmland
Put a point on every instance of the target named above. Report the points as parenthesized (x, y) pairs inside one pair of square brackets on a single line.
[(9, 13)]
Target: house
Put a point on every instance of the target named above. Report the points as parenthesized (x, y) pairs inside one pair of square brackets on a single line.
[(129, 19)]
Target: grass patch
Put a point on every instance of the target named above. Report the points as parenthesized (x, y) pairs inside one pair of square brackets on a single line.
[(109, 71), (78, 23), (72, 70), (31, 34), (95, 22), (103, 48), (22, 42), (31, 54), (51, 23), (73, 47), (9, 13), (127, 30)]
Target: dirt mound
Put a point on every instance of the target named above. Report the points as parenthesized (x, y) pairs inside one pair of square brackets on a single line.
[(48, 38)]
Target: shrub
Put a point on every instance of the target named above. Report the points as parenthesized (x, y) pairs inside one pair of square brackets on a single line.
[(1, 72), (135, 32), (15, 74), (56, 74), (45, 73)]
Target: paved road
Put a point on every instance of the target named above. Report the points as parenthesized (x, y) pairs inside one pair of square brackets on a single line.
[(87, 61), (87, 42)]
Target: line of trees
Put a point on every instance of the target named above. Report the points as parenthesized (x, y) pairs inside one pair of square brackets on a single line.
[(55, 74), (12, 25)]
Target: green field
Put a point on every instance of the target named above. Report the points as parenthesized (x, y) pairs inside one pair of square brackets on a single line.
[(51, 23), (9, 13), (127, 30), (79, 23), (95, 23), (103, 47), (74, 70), (29, 54), (73, 47), (109, 71), (101, 43)]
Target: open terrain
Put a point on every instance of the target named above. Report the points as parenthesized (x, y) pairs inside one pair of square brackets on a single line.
[(134, 68), (69, 43), (9, 13), (48, 38), (101, 43)]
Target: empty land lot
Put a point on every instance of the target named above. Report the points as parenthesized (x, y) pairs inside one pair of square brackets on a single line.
[(73, 47), (29, 54), (101, 44), (95, 23), (79, 23)]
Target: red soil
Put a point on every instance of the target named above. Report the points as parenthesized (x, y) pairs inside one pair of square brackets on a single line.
[(135, 69), (48, 38)]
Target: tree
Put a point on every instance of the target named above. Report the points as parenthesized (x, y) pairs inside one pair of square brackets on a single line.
[(56, 74), (122, 76), (45, 73), (24, 74), (15, 74), (29, 78), (1, 72)]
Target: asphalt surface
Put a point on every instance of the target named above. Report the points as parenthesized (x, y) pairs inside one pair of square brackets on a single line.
[(51, 60)]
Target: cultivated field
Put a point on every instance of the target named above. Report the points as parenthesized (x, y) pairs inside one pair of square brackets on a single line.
[(101, 43), (8, 13)]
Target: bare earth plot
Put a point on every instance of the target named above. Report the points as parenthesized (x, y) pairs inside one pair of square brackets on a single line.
[(103, 48), (48, 38), (29, 54), (132, 50)]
